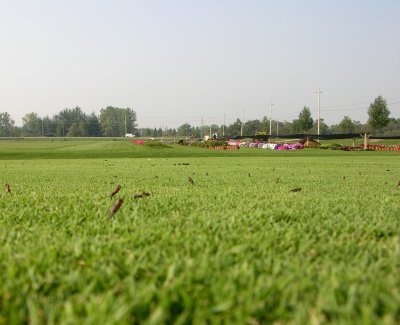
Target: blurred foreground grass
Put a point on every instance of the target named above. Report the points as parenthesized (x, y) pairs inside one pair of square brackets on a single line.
[(237, 246)]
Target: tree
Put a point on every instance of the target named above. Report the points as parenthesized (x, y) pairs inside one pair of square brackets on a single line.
[(393, 128), (78, 130), (109, 122), (49, 126), (145, 132), (305, 122), (201, 131), (6, 125), (115, 122), (285, 127), (234, 129), (251, 127), (185, 130), (129, 115), (347, 125), (378, 113), (167, 132), (93, 125), (323, 127), (214, 128), (32, 125), (79, 127), (68, 118)]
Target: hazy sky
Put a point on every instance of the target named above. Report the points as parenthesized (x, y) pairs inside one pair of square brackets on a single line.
[(177, 61)]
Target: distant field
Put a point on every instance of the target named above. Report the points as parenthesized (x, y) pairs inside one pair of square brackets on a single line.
[(55, 148), (236, 247)]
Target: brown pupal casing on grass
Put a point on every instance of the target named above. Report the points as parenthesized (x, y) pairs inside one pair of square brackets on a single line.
[(7, 188), (115, 207), (116, 190), (141, 194)]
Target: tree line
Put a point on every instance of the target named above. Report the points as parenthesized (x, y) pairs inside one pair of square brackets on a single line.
[(116, 122), (72, 122), (379, 122)]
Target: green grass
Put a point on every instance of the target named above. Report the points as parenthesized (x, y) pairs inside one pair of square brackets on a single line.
[(86, 148), (236, 247)]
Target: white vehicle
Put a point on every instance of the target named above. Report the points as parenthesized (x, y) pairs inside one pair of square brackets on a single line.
[(129, 135)]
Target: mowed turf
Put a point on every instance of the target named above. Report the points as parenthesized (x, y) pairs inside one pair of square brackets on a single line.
[(57, 148), (236, 245)]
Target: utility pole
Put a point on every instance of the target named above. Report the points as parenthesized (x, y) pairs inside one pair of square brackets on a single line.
[(277, 128), (319, 92), (42, 129), (241, 128), (223, 127), (125, 125), (201, 130), (270, 118)]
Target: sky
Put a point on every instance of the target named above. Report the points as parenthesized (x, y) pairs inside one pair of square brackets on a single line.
[(178, 61)]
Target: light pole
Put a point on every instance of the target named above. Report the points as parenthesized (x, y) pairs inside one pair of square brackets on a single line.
[(241, 128), (201, 130), (126, 129), (319, 92), (210, 119), (223, 127), (270, 118)]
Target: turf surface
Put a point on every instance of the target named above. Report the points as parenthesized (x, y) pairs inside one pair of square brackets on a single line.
[(235, 246)]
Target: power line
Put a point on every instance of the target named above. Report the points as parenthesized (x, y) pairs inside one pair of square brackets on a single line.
[(354, 109)]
